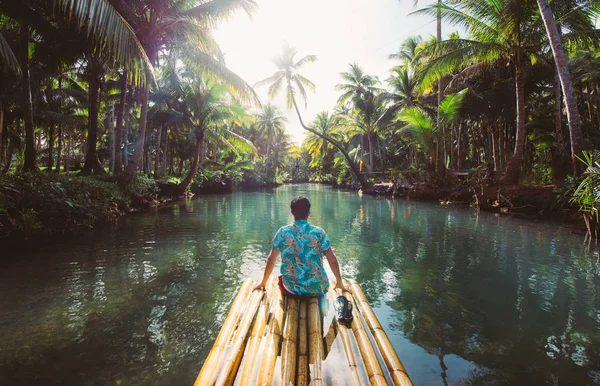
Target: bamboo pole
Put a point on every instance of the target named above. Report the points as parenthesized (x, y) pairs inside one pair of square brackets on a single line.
[(267, 368), (288, 348), (251, 353), (346, 342), (302, 377), (315, 340), (227, 375), (393, 363), (211, 365), (367, 352)]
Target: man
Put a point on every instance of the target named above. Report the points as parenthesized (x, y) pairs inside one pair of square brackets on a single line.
[(302, 247)]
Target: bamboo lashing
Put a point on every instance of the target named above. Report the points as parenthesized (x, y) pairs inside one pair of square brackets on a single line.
[(258, 330), (302, 367), (315, 341), (229, 371), (211, 365), (265, 376), (393, 363), (288, 347)]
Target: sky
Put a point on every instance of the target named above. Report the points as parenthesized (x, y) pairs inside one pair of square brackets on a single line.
[(339, 32)]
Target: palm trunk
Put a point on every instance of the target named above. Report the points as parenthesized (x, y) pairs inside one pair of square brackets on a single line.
[(119, 125), (198, 150), (163, 165), (1, 129), (110, 126), (565, 80), (157, 159), (92, 165), (513, 172), (30, 153), (50, 147), (363, 182), (371, 155), (138, 147), (59, 149)]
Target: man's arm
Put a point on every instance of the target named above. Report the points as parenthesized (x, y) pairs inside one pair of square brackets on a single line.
[(335, 268), (271, 260)]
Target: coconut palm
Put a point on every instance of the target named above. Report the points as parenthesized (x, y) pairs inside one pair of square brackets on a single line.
[(421, 128), (270, 122), (564, 74), (318, 147), (287, 77), (185, 27), (505, 31)]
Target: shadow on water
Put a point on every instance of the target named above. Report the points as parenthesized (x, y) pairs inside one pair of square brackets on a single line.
[(465, 298)]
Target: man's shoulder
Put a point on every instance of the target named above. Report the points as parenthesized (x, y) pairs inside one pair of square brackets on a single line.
[(316, 229)]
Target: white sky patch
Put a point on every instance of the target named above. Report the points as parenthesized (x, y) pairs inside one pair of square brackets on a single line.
[(339, 32)]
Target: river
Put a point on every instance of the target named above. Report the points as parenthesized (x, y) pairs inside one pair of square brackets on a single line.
[(465, 298)]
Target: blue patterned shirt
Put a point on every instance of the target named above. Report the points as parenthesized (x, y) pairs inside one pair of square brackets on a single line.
[(302, 247)]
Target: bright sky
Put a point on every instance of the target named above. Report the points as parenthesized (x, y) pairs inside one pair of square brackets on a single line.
[(339, 32)]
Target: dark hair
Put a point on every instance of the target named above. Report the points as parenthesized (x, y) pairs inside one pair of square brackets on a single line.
[(300, 208)]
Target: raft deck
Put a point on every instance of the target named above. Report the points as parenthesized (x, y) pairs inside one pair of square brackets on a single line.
[(269, 339)]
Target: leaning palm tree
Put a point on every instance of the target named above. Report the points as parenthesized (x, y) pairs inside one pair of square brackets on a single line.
[(270, 122), (562, 67), (288, 78)]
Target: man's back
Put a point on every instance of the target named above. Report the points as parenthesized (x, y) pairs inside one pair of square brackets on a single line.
[(302, 246)]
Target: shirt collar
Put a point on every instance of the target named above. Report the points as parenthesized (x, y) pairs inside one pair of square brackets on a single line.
[(300, 222)]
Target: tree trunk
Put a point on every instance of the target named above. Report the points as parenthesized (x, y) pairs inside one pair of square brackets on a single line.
[(138, 147), (59, 149), (68, 154), (182, 186), (1, 129), (50, 147), (119, 125), (371, 155), (363, 182), (158, 158), (562, 67), (30, 154), (92, 164), (110, 126), (163, 165), (513, 172)]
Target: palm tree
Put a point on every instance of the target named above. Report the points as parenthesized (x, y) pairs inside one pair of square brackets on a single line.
[(369, 111), (316, 146), (421, 128), (270, 122), (183, 26), (505, 31), (564, 74), (287, 77)]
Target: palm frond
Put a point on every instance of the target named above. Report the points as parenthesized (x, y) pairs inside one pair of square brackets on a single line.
[(110, 33), (8, 60)]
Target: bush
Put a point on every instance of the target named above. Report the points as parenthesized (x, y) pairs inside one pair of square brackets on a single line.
[(50, 203), (143, 187), (215, 181)]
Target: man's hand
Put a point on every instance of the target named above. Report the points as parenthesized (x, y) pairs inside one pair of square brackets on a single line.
[(260, 286), (340, 285)]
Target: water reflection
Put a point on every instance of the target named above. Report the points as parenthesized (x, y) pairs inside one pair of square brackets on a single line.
[(466, 298)]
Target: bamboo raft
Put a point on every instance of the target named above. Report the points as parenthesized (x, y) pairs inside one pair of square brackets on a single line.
[(269, 339)]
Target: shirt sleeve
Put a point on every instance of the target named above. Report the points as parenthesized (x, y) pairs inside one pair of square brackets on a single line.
[(325, 242), (276, 244)]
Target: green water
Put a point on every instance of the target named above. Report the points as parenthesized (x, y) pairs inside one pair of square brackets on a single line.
[(465, 298)]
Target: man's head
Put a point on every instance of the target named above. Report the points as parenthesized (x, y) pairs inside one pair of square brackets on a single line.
[(300, 208)]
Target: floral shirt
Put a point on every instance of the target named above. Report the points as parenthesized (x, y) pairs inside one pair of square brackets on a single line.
[(302, 247)]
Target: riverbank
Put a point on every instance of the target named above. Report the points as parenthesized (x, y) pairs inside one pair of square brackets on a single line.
[(46, 204)]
